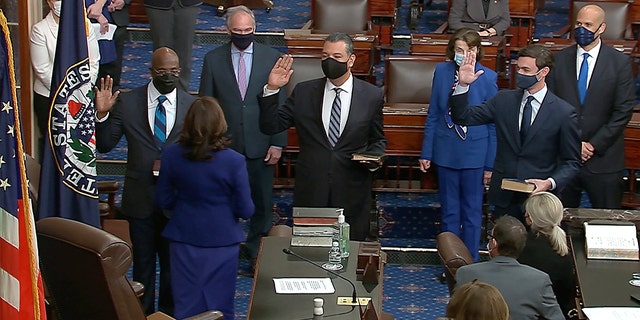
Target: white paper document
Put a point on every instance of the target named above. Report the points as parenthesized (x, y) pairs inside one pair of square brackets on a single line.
[(108, 35), (303, 285), (612, 313)]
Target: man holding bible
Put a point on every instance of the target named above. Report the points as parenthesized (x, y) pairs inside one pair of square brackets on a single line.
[(537, 132)]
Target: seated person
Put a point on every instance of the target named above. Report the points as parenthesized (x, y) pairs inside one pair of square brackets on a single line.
[(477, 301), (488, 17), (526, 290), (546, 248)]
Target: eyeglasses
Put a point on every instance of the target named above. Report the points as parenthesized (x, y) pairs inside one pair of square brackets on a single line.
[(162, 72)]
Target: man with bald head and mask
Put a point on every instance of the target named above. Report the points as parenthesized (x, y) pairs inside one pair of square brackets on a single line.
[(150, 117), (597, 80), (334, 116)]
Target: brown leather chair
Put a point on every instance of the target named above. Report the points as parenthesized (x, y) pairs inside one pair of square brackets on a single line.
[(408, 79), (84, 269), (281, 230), (454, 254), (348, 16), (306, 66)]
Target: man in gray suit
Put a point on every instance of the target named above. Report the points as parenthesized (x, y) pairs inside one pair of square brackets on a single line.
[(526, 290), (150, 117), (234, 74)]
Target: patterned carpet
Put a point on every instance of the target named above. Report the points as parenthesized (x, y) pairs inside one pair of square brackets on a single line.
[(411, 291)]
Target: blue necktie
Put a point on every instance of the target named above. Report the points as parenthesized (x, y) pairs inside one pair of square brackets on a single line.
[(334, 120), (526, 119), (160, 123), (582, 77)]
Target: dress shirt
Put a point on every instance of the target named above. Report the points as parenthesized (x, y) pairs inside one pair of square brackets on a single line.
[(169, 106), (345, 100), (538, 97), (248, 60), (593, 57)]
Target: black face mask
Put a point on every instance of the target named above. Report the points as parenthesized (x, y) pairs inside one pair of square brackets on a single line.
[(242, 41), (333, 68), (165, 83), (524, 81)]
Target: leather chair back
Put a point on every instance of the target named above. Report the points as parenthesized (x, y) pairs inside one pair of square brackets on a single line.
[(408, 79), (617, 12), (85, 269), (348, 16), (454, 254), (305, 67)]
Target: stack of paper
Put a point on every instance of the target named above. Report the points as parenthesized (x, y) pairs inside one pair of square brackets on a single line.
[(611, 240)]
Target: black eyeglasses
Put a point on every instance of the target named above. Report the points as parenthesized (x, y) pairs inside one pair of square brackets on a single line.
[(162, 72)]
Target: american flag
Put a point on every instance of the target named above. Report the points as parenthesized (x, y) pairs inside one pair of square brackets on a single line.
[(21, 289)]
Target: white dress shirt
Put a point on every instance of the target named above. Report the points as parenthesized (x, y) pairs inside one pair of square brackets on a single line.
[(591, 61), (169, 106), (345, 103)]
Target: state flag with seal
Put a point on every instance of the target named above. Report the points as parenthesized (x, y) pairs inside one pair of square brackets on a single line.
[(68, 186)]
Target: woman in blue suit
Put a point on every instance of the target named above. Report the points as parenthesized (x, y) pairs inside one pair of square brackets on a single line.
[(463, 155), (207, 187)]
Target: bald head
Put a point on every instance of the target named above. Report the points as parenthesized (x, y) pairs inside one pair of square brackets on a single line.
[(165, 58), (592, 13)]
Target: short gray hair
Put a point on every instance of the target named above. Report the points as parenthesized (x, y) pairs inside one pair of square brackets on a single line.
[(339, 36), (239, 9)]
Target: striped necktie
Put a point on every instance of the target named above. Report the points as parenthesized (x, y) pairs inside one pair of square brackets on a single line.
[(160, 123), (334, 120)]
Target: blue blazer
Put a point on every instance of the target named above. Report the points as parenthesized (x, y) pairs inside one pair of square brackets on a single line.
[(207, 197), (442, 144), (550, 149)]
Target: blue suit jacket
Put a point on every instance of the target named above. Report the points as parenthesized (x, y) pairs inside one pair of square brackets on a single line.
[(442, 144), (550, 149), (207, 197)]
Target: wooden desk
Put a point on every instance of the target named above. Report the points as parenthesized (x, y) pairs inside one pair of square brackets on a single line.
[(434, 44), (523, 17), (603, 283), (265, 304), (363, 44)]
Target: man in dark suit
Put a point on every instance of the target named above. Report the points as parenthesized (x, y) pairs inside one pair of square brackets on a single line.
[(149, 117), (604, 98), (526, 290), (537, 132), (334, 117), (238, 97), (172, 24)]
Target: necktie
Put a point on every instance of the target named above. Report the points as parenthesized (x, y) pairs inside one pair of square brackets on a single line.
[(582, 77), (334, 120), (242, 76), (160, 123), (526, 119)]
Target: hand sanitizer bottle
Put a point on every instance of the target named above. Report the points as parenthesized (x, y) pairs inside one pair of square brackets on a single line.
[(341, 231)]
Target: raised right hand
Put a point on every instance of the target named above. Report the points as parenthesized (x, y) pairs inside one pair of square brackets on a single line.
[(280, 73), (105, 98), (467, 73)]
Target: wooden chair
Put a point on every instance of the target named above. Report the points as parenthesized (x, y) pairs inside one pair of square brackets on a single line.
[(84, 269), (348, 16), (408, 80), (453, 254), (617, 18)]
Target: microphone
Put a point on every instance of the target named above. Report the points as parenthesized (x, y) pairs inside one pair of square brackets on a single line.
[(353, 295)]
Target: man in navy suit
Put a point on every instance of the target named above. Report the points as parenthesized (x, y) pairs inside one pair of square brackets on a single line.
[(134, 115), (604, 100), (537, 132), (334, 117), (238, 97)]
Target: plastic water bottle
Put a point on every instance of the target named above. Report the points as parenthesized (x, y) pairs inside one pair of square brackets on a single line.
[(341, 231), (335, 259)]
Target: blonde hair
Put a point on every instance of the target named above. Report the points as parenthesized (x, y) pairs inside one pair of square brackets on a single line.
[(477, 301), (545, 211)]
